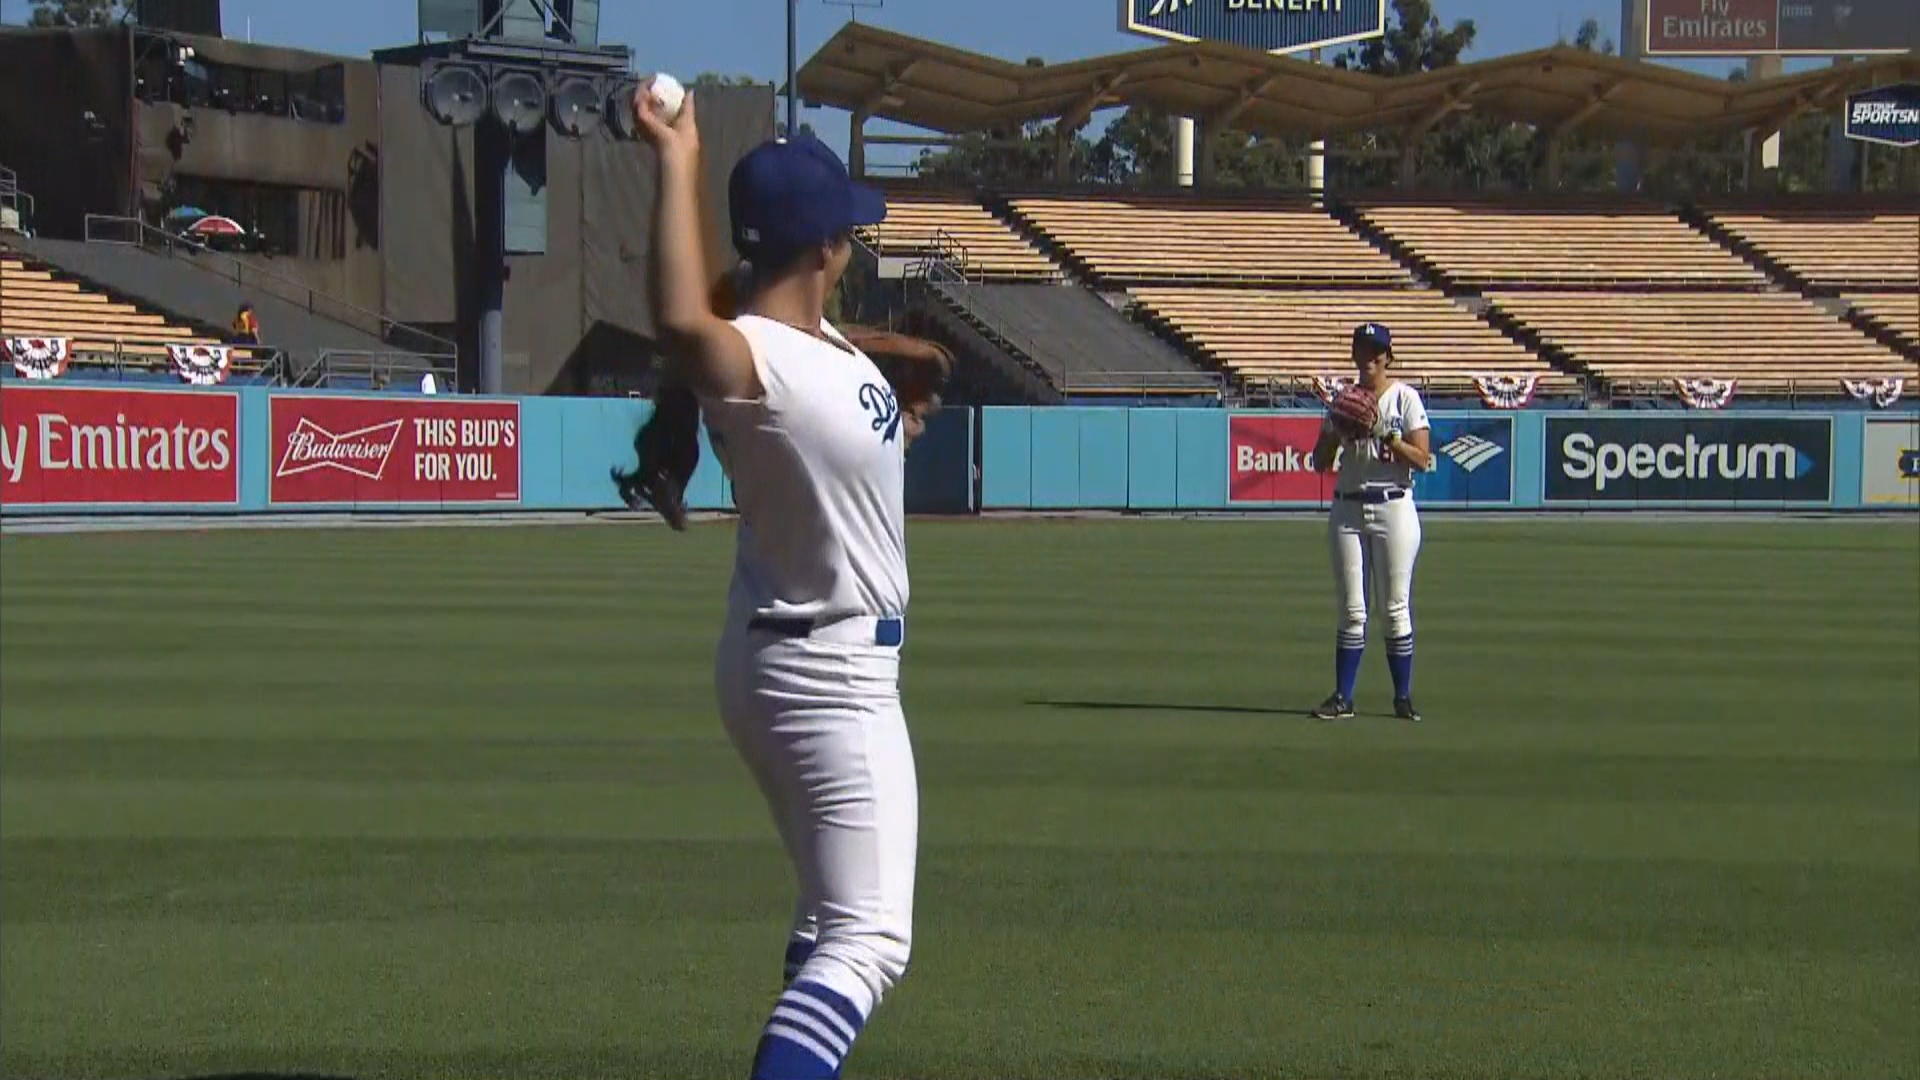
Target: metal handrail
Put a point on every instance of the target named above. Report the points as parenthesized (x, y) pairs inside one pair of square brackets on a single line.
[(313, 299), (263, 360), (10, 194), (444, 367)]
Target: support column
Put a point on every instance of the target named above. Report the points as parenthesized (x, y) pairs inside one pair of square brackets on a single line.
[(1317, 168), (1843, 154), (1629, 155), (857, 144), (492, 157), (1763, 147), (1183, 151)]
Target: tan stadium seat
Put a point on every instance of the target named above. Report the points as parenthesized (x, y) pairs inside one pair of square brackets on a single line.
[(1761, 338), (1897, 311), (1303, 333), (34, 302), (1475, 242), (1832, 244), (1161, 239), (923, 222)]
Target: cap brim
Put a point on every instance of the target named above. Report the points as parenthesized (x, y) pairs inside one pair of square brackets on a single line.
[(867, 205)]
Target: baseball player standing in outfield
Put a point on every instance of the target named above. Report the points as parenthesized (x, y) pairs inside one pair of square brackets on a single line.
[(808, 663), (1380, 430)]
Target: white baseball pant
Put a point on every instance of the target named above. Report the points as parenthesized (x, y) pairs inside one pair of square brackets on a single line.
[(1374, 547), (819, 725)]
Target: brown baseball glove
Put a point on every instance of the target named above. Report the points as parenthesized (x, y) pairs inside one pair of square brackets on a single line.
[(1354, 411), (916, 368)]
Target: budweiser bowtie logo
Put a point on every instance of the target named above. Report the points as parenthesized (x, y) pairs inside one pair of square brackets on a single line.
[(362, 452)]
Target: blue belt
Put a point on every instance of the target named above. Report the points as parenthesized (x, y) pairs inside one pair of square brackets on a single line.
[(1376, 496), (887, 632)]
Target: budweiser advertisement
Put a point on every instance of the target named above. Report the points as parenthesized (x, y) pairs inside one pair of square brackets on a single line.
[(393, 451), (112, 446), (1269, 460)]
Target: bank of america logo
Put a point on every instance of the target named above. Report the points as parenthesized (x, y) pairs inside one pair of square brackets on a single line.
[(1471, 451), (1167, 7)]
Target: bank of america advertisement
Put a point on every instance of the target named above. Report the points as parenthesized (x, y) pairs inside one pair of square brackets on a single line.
[(1890, 463), (1601, 459)]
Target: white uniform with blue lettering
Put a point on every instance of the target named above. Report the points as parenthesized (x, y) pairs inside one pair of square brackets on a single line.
[(1375, 531), (808, 669)]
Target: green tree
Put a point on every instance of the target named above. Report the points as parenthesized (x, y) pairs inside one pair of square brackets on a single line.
[(75, 12)]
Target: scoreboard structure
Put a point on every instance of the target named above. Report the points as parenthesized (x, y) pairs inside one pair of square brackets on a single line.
[(1781, 27), (1275, 26)]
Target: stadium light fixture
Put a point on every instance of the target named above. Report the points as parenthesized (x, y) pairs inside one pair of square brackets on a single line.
[(455, 94), (620, 121), (575, 105), (519, 101)]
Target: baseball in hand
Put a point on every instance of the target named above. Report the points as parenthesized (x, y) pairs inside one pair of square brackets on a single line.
[(666, 95)]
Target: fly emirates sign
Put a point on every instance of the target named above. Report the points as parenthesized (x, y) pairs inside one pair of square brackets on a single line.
[(113, 446)]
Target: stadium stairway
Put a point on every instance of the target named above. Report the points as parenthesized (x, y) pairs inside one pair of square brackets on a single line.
[(1073, 339), (193, 294)]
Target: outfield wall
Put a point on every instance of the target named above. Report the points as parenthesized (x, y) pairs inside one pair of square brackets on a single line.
[(110, 447), (1045, 458)]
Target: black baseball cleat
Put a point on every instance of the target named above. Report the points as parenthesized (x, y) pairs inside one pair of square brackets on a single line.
[(1334, 708), (1403, 708)]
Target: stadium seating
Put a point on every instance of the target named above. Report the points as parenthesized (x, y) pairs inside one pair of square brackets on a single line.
[(36, 302), (1173, 240), (1836, 246), (1770, 341), (1897, 311), (1556, 242), (923, 222), (1298, 334)]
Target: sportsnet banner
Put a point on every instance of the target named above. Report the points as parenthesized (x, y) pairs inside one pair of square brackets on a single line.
[(39, 358), (393, 451), (1889, 115), (201, 365), (1882, 392), (1705, 393), (1506, 391), (1473, 462), (1269, 460), (103, 446), (1675, 457)]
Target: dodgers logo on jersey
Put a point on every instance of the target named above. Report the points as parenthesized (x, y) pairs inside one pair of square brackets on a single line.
[(880, 401)]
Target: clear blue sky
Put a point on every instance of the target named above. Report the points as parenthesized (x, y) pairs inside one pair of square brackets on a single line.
[(749, 36)]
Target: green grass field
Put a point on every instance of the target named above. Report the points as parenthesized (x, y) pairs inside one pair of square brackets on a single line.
[(453, 803)]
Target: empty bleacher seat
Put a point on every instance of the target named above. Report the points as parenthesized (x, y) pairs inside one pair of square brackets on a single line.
[(1168, 240), (1897, 311), (1767, 340), (1556, 242), (1301, 333), (922, 222), (1840, 244), (36, 302)]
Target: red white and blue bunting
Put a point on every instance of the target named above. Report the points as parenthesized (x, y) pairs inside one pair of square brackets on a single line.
[(1506, 391), (1705, 393), (1325, 387), (39, 357), (201, 365), (1882, 392)]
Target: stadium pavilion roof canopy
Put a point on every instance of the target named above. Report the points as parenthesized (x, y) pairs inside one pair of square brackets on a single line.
[(877, 73)]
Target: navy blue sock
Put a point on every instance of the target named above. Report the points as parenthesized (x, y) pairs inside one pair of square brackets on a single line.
[(1400, 662), (1346, 662)]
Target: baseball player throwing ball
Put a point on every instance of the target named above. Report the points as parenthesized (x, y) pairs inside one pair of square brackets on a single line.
[(808, 666), (1378, 429)]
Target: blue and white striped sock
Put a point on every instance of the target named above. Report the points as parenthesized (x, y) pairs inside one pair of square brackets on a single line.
[(1400, 662), (808, 1036), (1347, 651)]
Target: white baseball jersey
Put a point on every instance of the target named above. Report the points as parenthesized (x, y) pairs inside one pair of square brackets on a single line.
[(817, 464), (1362, 465)]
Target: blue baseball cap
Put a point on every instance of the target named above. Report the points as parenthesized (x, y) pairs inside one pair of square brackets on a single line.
[(1374, 335), (788, 194)]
